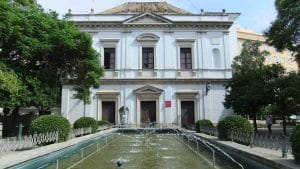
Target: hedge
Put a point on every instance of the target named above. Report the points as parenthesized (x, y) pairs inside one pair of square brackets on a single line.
[(104, 123), (235, 123), (295, 140), (203, 123), (51, 123), (86, 122)]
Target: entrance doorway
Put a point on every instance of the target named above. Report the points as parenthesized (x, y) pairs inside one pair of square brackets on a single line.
[(109, 111), (187, 114), (148, 111)]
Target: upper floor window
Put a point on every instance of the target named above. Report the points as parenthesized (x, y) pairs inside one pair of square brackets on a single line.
[(109, 58), (216, 58), (185, 58), (148, 57)]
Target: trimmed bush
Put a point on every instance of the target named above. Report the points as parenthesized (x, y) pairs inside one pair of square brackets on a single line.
[(236, 123), (86, 122), (203, 123), (51, 123), (104, 123), (295, 140)]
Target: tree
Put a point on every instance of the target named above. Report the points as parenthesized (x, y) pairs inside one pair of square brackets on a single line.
[(249, 86), (286, 96), (284, 32), (10, 87), (43, 50)]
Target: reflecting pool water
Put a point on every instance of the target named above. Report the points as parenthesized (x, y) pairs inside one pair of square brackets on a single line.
[(155, 151)]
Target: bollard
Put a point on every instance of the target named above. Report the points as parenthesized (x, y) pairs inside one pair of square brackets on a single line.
[(284, 147), (197, 146), (214, 158), (1, 129), (57, 166)]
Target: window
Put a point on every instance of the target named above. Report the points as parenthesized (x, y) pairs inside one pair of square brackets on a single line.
[(216, 58), (109, 58), (185, 58), (148, 57)]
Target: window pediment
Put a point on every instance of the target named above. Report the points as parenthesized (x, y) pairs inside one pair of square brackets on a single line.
[(146, 37), (148, 90)]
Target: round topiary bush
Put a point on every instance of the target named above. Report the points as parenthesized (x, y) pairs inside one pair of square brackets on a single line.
[(203, 123), (104, 123), (86, 122), (295, 140), (50, 123), (235, 123)]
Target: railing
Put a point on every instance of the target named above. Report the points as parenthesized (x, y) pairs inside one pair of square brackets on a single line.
[(32, 141), (207, 151), (71, 159), (27, 142), (213, 131), (263, 140), (255, 140), (149, 125), (79, 132)]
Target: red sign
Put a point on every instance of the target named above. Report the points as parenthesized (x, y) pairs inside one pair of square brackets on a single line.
[(167, 103)]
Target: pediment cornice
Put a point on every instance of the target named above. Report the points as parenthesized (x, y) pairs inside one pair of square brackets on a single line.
[(148, 90), (147, 18)]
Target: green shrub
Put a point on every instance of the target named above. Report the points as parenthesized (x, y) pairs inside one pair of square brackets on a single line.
[(86, 122), (295, 140), (203, 123), (50, 123), (235, 123), (104, 123)]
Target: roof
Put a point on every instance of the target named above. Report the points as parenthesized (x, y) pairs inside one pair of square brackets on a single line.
[(244, 33), (139, 7)]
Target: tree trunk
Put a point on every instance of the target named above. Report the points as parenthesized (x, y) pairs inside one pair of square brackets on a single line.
[(254, 122), (84, 109)]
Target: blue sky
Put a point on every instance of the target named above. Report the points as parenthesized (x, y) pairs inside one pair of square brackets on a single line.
[(255, 14)]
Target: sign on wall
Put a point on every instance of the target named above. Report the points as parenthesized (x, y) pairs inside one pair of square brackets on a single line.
[(167, 103)]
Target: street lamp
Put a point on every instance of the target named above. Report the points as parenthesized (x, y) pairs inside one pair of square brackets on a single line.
[(207, 87)]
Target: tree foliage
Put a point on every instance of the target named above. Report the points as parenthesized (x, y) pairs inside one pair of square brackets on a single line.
[(286, 96), (10, 87), (249, 88), (284, 32), (42, 50)]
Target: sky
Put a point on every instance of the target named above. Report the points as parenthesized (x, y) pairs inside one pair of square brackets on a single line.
[(256, 15)]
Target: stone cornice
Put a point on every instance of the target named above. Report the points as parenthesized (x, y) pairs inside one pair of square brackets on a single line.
[(204, 25)]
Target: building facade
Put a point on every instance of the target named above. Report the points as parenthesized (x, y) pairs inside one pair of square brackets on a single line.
[(165, 64), (285, 58)]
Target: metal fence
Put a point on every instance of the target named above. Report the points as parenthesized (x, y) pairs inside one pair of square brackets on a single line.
[(79, 132), (35, 140), (255, 139), (27, 142)]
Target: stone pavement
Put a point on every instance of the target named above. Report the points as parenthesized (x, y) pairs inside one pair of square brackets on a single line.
[(269, 156), (15, 157)]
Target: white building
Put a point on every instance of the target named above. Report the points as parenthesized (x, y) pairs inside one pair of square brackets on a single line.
[(165, 64)]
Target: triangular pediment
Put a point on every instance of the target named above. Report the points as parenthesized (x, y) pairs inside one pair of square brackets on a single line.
[(148, 90), (148, 19)]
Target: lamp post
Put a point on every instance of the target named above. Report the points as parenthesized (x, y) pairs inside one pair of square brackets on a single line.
[(207, 87)]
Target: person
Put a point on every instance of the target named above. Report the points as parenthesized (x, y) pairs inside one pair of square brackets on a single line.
[(269, 123), (119, 165)]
